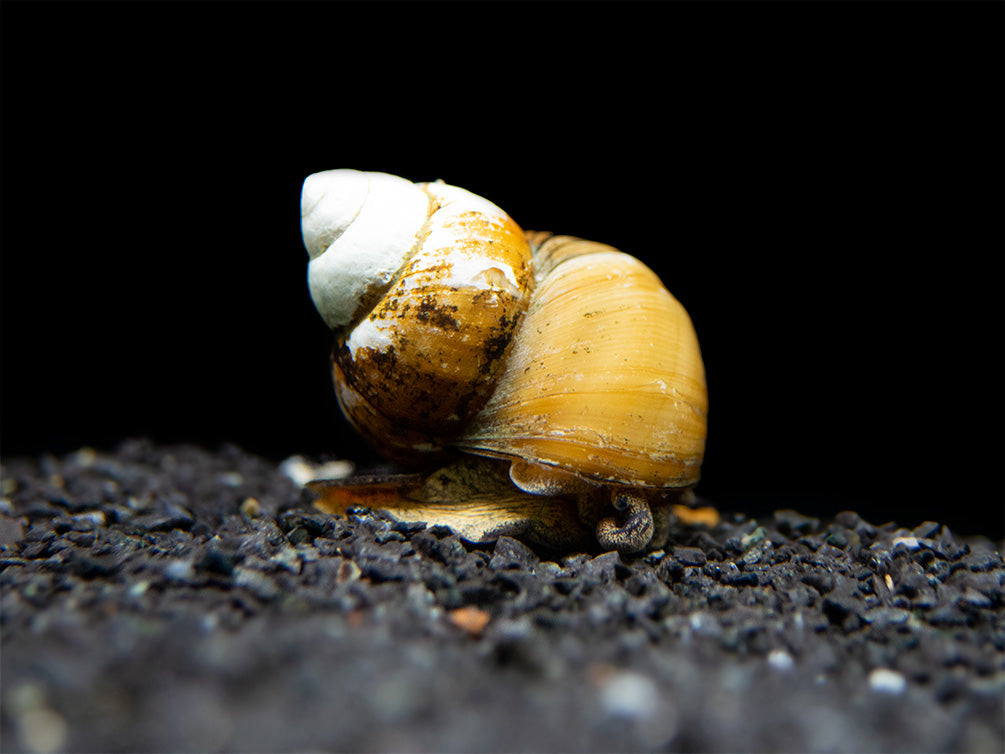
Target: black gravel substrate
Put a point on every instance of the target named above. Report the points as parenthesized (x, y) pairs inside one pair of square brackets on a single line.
[(174, 599)]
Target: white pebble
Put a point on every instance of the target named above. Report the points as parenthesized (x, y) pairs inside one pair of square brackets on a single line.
[(887, 681), (209, 622), (300, 471), (95, 517), (781, 660), (629, 695), (231, 478), (42, 730), (85, 457), (179, 570)]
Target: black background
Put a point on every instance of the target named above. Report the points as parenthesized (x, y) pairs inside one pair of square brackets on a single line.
[(819, 184)]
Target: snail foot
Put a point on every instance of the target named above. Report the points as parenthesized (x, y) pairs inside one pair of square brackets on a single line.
[(637, 530)]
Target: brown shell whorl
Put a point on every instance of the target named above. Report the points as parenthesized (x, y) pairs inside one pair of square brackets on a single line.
[(424, 360)]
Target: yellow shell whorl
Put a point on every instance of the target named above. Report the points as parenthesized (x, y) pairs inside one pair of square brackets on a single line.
[(605, 377)]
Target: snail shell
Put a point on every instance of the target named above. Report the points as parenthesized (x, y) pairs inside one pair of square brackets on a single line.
[(567, 359)]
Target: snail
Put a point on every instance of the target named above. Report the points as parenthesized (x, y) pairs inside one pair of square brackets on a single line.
[(554, 383)]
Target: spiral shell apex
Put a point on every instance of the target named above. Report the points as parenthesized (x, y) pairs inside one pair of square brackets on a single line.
[(358, 229)]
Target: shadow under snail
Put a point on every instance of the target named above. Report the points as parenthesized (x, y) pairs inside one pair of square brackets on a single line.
[(554, 383)]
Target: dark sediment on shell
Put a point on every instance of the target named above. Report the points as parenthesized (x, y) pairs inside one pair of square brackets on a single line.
[(144, 608)]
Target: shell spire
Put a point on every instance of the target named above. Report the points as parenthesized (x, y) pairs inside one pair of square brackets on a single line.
[(358, 228), (424, 285)]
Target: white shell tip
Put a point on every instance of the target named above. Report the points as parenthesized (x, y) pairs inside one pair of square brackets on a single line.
[(328, 203), (358, 228)]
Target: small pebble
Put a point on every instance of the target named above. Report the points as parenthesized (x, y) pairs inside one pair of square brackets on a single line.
[(755, 536), (887, 681), (251, 507), (511, 553), (702, 516), (301, 471), (792, 522), (179, 570), (629, 695), (780, 660), (40, 729), (690, 556), (974, 598), (231, 478), (470, 619), (347, 571), (925, 530)]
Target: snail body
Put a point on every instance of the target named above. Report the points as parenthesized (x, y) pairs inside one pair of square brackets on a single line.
[(566, 361)]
